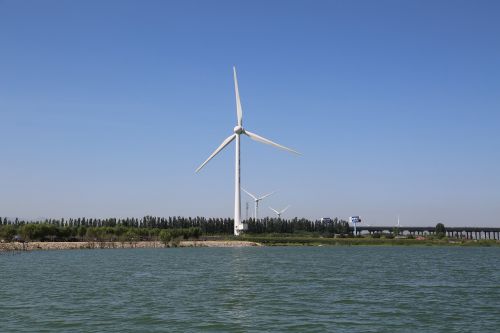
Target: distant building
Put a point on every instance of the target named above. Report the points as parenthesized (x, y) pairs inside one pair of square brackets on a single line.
[(326, 219)]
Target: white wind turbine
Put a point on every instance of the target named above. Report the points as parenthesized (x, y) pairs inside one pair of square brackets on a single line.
[(256, 200), (279, 212), (238, 130), (398, 225)]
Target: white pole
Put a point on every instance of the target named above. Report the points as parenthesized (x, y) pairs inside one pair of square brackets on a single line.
[(237, 193), (256, 209)]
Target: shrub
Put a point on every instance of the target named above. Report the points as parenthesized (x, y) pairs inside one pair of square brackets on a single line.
[(7, 232), (165, 236)]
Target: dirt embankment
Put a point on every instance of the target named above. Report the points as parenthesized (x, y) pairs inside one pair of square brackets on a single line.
[(29, 246)]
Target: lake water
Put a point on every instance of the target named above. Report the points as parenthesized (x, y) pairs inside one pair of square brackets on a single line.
[(287, 289)]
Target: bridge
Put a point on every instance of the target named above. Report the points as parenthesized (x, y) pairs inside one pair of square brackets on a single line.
[(452, 232)]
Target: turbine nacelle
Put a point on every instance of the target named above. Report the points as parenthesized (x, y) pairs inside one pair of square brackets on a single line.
[(238, 130)]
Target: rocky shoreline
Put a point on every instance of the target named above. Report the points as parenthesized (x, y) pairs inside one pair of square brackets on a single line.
[(31, 246)]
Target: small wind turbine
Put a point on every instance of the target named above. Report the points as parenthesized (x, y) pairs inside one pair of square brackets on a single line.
[(256, 200), (279, 212), (238, 130), (398, 226)]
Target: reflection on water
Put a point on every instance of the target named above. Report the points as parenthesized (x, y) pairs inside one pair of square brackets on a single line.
[(302, 289), (238, 287)]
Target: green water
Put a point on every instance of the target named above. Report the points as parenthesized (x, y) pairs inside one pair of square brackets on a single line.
[(288, 289)]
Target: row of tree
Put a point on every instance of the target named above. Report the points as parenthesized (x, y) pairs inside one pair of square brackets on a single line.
[(49, 232), (149, 227)]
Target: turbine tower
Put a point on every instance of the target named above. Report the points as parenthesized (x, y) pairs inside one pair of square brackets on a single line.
[(256, 200), (279, 212), (238, 130)]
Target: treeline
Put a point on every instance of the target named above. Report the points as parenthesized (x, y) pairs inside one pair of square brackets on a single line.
[(50, 232), (149, 228), (273, 225), (210, 226)]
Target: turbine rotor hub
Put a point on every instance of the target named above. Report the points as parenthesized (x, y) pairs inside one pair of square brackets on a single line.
[(238, 129)]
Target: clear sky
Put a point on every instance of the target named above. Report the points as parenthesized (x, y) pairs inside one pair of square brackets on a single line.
[(108, 107)]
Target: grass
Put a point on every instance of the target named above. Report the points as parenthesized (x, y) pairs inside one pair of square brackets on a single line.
[(313, 240)]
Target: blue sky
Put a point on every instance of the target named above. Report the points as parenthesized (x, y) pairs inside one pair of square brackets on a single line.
[(107, 107)]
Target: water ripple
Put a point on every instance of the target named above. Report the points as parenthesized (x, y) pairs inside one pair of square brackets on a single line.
[(288, 289)]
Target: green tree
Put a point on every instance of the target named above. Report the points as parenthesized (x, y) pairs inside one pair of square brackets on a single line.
[(81, 232), (28, 232), (440, 230), (165, 236), (7, 232)]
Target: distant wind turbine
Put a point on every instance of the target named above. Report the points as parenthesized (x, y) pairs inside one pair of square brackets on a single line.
[(257, 200), (238, 130), (279, 212)]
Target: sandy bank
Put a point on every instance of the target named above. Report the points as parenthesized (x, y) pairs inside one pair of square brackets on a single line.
[(116, 245)]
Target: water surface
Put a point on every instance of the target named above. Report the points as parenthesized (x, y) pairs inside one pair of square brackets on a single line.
[(287, 289)]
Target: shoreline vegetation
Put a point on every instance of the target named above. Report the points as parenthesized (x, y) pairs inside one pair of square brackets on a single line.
[(243, 241), (30, 246), (367, 241), (153, 232)]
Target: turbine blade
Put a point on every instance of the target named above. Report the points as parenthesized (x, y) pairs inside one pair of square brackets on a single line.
[(284, 210), (274, 210), (258, 138), (239, 110), (265, 196), (250, 194), (225, 143)]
